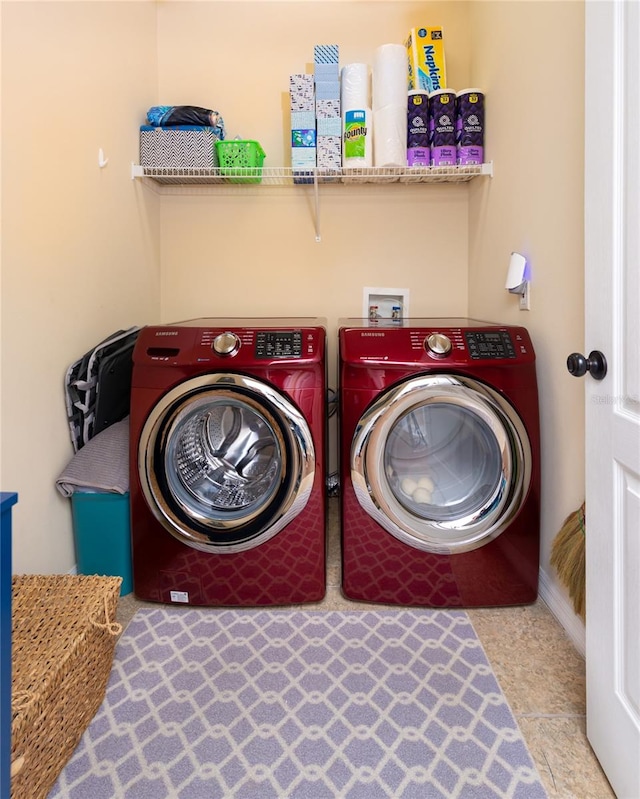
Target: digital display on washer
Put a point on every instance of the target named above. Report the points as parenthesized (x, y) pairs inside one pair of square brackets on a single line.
[(279, 344), (493, 344)]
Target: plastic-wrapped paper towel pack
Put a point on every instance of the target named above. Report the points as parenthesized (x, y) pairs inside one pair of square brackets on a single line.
[(389, 90)]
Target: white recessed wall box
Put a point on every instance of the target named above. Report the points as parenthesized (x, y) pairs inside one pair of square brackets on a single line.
[(385, 303)]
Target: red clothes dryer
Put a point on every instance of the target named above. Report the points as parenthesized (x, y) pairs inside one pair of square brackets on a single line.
[(439, 463), (227, 462)]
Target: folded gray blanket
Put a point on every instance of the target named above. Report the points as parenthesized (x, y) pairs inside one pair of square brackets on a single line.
[(102, 464)]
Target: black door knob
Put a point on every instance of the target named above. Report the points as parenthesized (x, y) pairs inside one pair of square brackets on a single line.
[(595, 364)]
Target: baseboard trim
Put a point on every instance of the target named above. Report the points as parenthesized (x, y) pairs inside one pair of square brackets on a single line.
[(562, 609)]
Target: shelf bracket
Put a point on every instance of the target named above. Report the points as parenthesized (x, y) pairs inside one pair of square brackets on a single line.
[(316, 193)]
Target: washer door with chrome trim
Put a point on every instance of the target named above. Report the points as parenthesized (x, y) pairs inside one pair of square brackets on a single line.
[(442, 462), (225, 462)]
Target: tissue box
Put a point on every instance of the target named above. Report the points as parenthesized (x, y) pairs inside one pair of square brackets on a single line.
[(301, 92), (329, 152), (426, 63), (183, 146), (326, 54)]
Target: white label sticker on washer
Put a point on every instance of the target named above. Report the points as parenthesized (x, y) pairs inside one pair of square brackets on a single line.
[(179, 596)]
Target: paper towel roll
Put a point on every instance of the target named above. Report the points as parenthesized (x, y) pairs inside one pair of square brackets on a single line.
[(390, 136), (389, 76), (354, 86), (357, 138)]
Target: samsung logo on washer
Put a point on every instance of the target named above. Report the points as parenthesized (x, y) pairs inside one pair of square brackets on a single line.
[(166, 332), (368, 333)]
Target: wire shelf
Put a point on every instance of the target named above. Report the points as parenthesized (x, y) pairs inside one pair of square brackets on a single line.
[(287, 176)]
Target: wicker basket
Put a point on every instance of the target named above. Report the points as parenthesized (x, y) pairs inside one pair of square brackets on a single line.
[(63, 640)]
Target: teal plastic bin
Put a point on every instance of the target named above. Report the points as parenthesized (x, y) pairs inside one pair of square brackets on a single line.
[(102, 533)]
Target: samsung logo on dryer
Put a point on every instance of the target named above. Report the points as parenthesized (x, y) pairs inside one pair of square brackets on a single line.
[(370, 333), (166, 332)]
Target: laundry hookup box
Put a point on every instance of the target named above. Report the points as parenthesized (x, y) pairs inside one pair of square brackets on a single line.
[(180, 147)]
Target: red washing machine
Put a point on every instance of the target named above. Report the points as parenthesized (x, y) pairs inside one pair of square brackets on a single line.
[(227, 462), (439, 463)]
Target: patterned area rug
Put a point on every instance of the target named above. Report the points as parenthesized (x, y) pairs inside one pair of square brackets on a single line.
[(277, 704)]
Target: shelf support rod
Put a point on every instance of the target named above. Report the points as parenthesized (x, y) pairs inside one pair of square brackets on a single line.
[(316, 193)]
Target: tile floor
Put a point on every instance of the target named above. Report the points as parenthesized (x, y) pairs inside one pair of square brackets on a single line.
[(539, 669)]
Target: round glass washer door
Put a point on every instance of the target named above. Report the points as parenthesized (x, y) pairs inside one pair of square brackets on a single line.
[(225, 462), (442, 462)]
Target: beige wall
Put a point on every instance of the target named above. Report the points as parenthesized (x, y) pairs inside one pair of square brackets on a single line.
[(254, 251), (80, 254), (534, 205), (147, 254)]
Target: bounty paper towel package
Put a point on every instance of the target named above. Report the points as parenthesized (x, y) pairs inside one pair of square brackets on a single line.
[(356, 146), (425, 55), (357, 138)]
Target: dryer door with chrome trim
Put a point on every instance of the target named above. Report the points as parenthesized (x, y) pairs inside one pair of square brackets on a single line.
[(443, 462), (225, 461)]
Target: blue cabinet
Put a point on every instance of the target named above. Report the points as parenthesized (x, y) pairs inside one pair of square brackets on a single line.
[(6, 503)]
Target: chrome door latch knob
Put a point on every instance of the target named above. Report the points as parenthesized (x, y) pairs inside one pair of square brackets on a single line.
[(595, 364)]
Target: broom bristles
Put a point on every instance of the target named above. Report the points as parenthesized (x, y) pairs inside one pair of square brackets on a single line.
[(568, 557)]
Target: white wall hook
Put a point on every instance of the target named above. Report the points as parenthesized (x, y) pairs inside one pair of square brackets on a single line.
[(102, 161)]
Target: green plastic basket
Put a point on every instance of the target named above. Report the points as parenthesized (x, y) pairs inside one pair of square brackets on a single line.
[(240, 160)]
